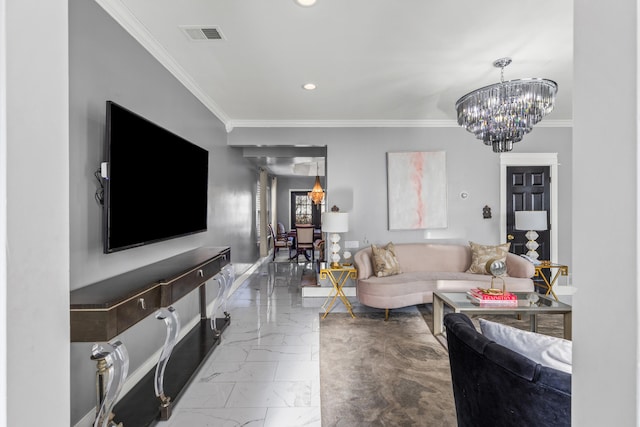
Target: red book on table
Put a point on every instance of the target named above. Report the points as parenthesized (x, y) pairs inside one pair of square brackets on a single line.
[(485, 296)]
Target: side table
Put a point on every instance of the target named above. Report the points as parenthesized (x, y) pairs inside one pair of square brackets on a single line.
[(338, 277), (561, 269)]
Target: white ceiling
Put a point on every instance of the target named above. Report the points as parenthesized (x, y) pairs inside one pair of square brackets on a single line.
[(375, 62)]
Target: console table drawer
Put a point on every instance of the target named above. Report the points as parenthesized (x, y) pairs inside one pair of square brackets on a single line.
[(137, 308), (190, 281), (93, 325)]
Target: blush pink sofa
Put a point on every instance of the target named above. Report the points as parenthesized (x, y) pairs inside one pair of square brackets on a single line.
[(431, 267)]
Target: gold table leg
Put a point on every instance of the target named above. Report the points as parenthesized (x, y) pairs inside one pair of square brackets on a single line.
[(338, 283), (560, 270)]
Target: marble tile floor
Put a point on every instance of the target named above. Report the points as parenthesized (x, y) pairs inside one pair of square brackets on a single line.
[(265, 372)]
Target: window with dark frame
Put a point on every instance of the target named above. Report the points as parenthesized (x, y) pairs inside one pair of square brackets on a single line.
[(303, 211)]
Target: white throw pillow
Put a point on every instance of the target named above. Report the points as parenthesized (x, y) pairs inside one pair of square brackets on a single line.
[(543, 349)]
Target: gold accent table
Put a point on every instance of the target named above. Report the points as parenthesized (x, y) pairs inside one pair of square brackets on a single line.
[(338, 277), (561, 270)]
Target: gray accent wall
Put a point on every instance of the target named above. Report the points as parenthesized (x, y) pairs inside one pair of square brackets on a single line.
[(106, 63), (357, 177)]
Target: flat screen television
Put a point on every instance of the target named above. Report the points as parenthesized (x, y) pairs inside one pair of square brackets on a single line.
[(155, 183)]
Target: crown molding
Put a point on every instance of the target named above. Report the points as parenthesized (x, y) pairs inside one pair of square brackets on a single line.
[(123, 16), (342, 123), (555, 124), (367, 124)]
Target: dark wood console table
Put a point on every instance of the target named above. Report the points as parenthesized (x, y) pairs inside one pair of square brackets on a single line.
[(105, 309), (101, 311)]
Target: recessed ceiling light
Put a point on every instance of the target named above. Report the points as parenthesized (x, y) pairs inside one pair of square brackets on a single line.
[(305, 3), (309, 86)]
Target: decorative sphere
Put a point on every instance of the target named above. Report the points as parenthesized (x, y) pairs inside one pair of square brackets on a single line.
[(496, 267)]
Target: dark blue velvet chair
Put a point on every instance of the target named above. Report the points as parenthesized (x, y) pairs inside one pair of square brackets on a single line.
[(494, 386)]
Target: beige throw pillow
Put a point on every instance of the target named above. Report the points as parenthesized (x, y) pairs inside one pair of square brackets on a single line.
[(481, 254), (384, 259)]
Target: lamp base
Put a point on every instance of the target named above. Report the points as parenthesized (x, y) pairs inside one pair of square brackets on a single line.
[(532, 245), (335, 249), (533, 254)]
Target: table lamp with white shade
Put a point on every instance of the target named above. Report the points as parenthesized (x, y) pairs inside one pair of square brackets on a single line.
[(531, 221), (335, 222)]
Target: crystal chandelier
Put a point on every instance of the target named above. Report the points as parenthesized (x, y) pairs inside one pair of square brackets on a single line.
[(316, 194), (502, 113)]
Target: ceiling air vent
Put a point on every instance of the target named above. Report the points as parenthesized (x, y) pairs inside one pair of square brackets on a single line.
[(203, 33)]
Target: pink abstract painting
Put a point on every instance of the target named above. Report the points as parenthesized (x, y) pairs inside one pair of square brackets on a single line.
[(417, 190)]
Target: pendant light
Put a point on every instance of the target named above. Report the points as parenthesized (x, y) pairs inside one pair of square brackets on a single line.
[(317, 193)]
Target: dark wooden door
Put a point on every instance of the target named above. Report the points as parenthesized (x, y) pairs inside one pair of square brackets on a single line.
[(528, 189)]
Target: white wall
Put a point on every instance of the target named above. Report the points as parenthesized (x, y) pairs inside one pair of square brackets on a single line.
[(357, 182), (605, 205), (37, 212), (3, 218)]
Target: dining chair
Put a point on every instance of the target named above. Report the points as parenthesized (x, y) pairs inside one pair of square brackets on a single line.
[(280, 241), (304, 241), (281, 232)]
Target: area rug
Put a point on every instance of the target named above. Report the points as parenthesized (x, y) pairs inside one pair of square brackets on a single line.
[(308, 277), (377, 373)]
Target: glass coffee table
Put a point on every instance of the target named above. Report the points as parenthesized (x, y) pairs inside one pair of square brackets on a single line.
[(529, 303)]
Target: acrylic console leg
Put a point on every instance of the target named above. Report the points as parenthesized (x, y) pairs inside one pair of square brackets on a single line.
[(170, 317), (230, 275), (225, 279), (113, 365), (217, 302)]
